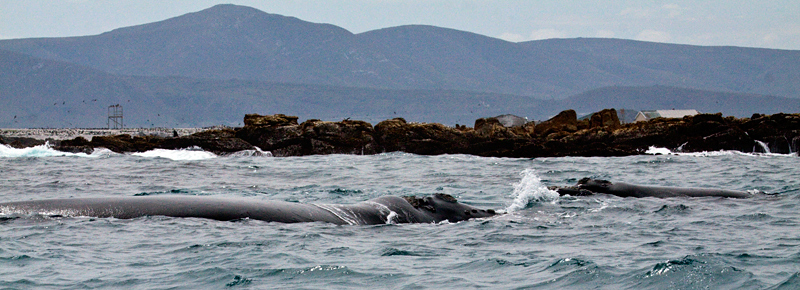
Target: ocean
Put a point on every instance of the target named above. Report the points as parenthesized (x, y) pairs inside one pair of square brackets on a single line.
[(542, 242)]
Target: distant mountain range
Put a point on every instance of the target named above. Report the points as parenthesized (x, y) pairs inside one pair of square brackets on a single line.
[(213, 66)]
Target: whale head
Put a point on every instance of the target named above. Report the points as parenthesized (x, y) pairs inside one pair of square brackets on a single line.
[(594, 185), (443, 207)]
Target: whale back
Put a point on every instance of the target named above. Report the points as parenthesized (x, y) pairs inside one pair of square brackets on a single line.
[(387, 209), (632, 190), (174, 206), (445, 207)]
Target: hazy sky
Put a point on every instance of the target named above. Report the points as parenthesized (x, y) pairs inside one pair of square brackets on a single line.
[(769, 24)]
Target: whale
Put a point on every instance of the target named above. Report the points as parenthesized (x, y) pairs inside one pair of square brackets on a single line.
[(589, 186), (382, 210)]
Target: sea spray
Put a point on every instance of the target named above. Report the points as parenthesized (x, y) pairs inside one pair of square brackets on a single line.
[(763, 146), (530, 189), (44, 150), (652, 150), (188, 154)]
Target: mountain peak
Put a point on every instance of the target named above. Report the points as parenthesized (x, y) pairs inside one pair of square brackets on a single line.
[(230, 12), (232, 8), (216, 17)]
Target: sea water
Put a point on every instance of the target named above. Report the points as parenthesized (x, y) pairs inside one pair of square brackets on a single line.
[(543, 241)]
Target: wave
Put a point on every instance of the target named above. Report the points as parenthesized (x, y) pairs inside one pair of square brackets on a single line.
[(197, 153), (664, 151), (250, 153), (530, 189), (45, 151), (191, 153)]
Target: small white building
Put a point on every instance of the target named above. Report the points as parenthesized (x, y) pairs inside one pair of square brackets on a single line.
[(509, 120), (647, 115)]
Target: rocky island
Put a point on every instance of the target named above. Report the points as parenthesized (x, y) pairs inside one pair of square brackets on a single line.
[(602, 134)]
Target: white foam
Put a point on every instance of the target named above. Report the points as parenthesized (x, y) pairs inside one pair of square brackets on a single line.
[(36, 151), (193, 153), (391, 216), (664, 151), (528, 189), (658, 150), (764, 146), (251, 153)]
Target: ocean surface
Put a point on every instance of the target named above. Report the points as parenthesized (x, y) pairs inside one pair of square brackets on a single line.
[(543, 242)]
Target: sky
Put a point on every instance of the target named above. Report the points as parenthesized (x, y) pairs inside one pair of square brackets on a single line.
[(765, 24)]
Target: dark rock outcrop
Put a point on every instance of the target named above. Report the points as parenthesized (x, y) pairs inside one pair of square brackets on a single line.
[(606, 118), (285, 137), (419, 138), (564, 122), (563, 135), (256, 120), (221, 142), (21, 142), (217, 141)]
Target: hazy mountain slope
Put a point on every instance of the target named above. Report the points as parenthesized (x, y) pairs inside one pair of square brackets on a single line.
[(665, 98), (213, 66), (236, 42), (433, 57), (44, 93), (223, 42), (636, 63)]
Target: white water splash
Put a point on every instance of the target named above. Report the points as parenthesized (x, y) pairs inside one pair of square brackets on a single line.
[(528, 189), (36, 151), (764, 147), (664, 151), (658, 151), (391, 216), (181, 154), (257, 152)]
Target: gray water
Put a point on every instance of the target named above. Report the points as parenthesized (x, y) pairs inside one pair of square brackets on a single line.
[(544, 242)]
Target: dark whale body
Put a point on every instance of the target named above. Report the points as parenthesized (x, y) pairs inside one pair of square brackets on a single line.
[(588, 186), (382, 210)]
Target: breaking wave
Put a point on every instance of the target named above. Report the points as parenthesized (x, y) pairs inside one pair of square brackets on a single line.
[(664, 151), (530, 189), (191, 153), (41, 151)]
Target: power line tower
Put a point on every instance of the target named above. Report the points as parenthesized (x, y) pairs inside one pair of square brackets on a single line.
[(115, 117)]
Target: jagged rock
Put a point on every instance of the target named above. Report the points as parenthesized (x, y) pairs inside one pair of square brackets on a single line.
[(269, 120), (21, 142), (482, 124), (566, 121), (606, 118), (492, 128), (563, 135), (345, 137), (78, 144), (778, 131), (219, 142), (419, 138), (126, 143), (287, 138), (280, 140)]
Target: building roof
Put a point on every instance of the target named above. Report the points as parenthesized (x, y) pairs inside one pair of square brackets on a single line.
[(509, 120), (676, 113), (651, 114)]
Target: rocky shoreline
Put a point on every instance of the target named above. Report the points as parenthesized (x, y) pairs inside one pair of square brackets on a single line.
[(563, 135)]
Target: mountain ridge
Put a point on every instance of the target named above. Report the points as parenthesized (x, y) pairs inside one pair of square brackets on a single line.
[(50, 94), (228, 60), (238, 42)]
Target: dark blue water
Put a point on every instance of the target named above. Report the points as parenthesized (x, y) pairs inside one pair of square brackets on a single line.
[(544, 242)]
